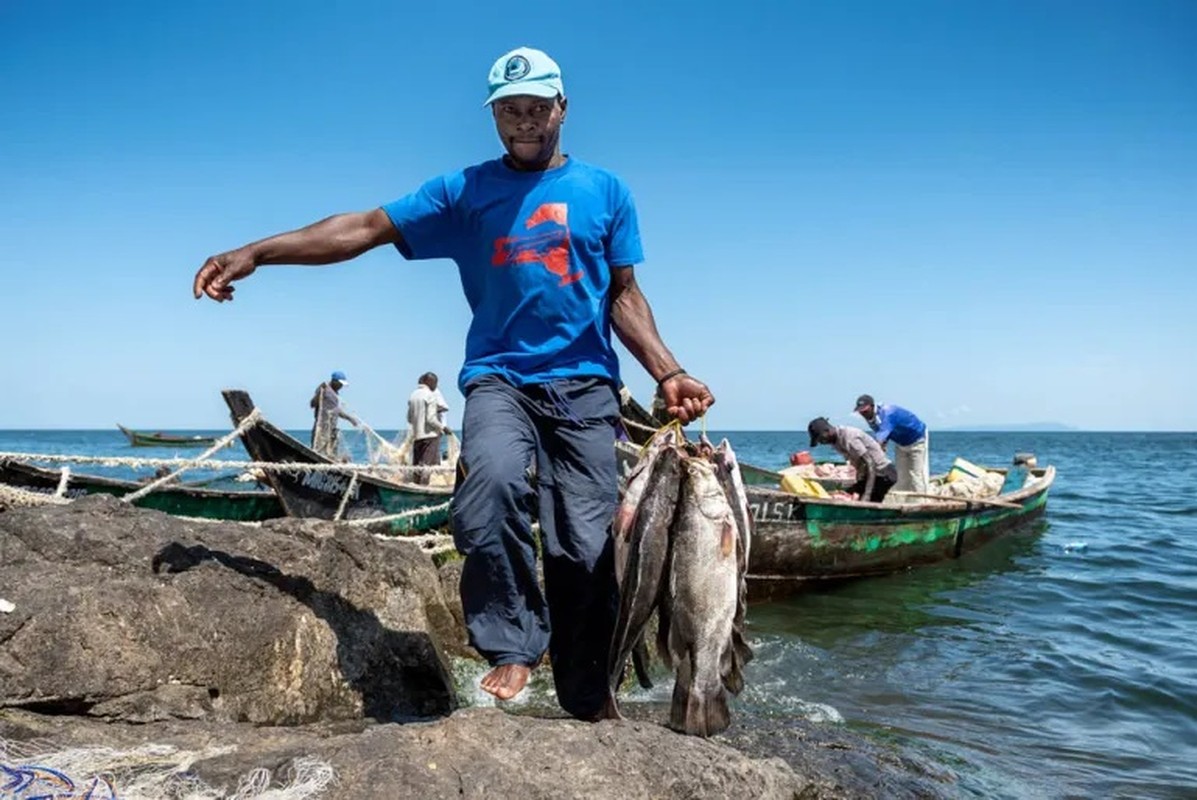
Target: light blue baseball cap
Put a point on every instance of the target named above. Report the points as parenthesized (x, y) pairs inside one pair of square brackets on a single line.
[(339, 376), (524, 71)]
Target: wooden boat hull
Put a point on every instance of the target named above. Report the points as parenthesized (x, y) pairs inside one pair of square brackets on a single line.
[(141, 439), (798, 540), (184, 501), (320, 494)]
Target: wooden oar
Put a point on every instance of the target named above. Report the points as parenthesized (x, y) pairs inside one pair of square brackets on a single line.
[(983, 501)]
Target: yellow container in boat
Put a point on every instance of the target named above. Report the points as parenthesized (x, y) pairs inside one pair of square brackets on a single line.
[(964, 469), (804, 487)]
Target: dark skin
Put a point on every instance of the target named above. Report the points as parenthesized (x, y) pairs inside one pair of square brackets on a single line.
[(870, 413), (530, 130)]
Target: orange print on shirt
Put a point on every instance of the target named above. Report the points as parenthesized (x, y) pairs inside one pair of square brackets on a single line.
[(547, 246)]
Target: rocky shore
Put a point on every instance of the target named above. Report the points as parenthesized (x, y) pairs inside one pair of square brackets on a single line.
[(212, 651)]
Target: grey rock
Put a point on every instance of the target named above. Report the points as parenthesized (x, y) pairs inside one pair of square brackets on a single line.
[(133, 614), (254, 647), (475, 753)]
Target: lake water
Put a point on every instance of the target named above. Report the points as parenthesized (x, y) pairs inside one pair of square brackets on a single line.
[(1059, 661)]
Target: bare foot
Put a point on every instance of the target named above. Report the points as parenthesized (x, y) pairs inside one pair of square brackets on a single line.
[(506, 681)]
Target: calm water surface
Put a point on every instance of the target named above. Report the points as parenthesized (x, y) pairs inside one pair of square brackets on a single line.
[(1059, 661)]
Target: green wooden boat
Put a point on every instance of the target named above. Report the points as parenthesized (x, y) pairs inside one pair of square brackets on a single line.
[(801, 539), (159, 439), (178, 499), (798, 540), (321, 494)]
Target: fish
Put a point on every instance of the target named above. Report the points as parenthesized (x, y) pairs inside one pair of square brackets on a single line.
[(703, 593), (625, 515), (647, 564), (727, 469)]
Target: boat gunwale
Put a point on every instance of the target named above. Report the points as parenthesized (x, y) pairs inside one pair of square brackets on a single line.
[(1045, 477)]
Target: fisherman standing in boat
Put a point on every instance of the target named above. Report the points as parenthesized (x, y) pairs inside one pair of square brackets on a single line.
[(425, 421), (909, 435), (545, 245), (327, 412), (875, 475)]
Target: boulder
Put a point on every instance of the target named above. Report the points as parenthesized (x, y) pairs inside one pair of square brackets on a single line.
[(475, 753), (135, 615)]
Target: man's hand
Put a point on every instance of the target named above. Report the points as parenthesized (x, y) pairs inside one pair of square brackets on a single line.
[(329, 241), (218, 272), (686, 398)]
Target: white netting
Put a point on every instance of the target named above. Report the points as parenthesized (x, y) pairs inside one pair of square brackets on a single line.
[(390, 456), (145, 772)]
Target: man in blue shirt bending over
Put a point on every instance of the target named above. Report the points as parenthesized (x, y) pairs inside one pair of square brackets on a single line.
[(545, 246), (909, 435)]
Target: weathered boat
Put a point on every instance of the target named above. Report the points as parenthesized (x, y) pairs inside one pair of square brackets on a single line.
[(158, 439), (798, 540), (324, 493), (178, 499)]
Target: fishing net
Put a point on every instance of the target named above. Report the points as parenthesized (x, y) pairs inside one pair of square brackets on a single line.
[(146, 772), (325, 434), (398, 453), (388, 453)]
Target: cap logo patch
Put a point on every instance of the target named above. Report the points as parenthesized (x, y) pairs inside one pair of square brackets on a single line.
[(516, 68)]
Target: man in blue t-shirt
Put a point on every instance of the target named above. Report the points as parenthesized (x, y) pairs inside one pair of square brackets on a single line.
[(909, 435), (545, 246)]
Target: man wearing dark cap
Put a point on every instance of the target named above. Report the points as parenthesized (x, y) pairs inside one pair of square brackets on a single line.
[(909, 435), (545, 245), (875, 475)]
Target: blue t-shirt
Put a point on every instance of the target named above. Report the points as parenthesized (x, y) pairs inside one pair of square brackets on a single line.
[(896, 423), (534, 251)]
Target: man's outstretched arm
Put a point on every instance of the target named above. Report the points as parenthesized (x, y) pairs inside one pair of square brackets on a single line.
[(329, 241), (685, 397)]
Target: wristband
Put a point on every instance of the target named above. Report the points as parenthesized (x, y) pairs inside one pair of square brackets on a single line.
[(668, 375)]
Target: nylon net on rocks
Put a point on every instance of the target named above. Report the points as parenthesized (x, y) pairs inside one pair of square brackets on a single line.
[(147, 772)]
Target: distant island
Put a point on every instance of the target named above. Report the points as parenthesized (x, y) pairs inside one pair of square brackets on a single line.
[(1013, 427)]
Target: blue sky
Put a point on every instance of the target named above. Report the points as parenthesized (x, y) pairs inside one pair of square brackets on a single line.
[(986, 212)]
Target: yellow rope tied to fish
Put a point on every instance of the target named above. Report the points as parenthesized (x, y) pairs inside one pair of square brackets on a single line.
[(673, 423)]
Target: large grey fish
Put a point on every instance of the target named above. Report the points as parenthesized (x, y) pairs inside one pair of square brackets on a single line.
[(647, 562), (727, 469), (625, 515), (703, 593)]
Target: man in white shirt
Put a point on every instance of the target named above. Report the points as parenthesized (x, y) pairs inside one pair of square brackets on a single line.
[(425, 418)]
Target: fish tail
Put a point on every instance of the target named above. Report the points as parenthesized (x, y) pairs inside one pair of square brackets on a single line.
[(678, 709), (702, 711), (640, 662), (611, 708), (697, 710), (731, 669), (733, 660)]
